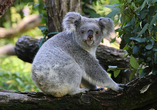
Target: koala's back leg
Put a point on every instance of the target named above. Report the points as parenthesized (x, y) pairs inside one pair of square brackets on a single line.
[(63, 79), (70, 80), (75, 77)]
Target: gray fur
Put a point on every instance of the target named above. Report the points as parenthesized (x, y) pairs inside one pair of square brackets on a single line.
[(68, 59)]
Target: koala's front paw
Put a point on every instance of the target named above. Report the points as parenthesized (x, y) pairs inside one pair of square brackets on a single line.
[(121, 87), (118, 87)]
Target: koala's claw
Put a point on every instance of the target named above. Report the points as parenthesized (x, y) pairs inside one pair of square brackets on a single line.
[(121, 87)]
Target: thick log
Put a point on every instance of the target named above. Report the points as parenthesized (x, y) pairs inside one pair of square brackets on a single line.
[(140, 94)]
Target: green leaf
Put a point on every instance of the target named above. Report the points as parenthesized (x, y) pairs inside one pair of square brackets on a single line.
[(42, 28), (52, 33), (93, 13), (36, 5), (133, 62), (152, 41), (113, 40), (132, 74), (152, 10), (149, 46), (19, 81), (155, 49), (144, 4), (136, 50), (140, 69), (149, 59), (154, 29), (145, 71), (114, 12), (126, 37), (125, 54), (116, 73), (143, 13), (144, 29), (134, 6), (111, 6), (122, 12), (139, 39), (153, 20), (153, 1)]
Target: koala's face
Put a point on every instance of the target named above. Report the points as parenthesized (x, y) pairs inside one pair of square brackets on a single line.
[(88, 32)]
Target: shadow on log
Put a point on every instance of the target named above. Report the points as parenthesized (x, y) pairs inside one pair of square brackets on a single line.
[(140, 94)]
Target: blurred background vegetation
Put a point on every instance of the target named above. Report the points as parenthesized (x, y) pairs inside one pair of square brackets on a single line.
[(14, 73)]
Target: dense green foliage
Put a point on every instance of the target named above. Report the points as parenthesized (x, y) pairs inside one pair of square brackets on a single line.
[(138, 30), (15, 75)]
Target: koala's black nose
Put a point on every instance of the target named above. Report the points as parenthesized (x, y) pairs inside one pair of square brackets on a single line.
[(90, 35)]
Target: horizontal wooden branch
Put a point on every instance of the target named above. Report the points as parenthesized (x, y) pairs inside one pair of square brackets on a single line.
[(8, 49), (26, 24), (140, 94)]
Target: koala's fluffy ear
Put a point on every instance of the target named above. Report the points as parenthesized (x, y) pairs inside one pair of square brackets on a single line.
[(71, 21), (107, 26)]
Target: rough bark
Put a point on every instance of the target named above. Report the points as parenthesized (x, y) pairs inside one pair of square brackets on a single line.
[(57, 9), (4, 5), (139, 94)]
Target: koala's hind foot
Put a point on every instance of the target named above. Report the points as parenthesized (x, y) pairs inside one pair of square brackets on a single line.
[(79, 90)]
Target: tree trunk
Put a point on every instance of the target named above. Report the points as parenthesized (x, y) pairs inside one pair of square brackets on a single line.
[(139, 94), (4, 5), (57, 9)]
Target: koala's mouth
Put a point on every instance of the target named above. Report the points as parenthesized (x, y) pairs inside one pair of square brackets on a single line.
[(89, 42)]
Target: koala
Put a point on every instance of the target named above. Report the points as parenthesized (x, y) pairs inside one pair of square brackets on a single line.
[(68, 59)]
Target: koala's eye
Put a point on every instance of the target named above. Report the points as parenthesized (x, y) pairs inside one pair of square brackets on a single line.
[(82, 31), (97, 32)]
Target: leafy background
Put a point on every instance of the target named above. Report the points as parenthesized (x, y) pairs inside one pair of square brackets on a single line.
[(138, 31)]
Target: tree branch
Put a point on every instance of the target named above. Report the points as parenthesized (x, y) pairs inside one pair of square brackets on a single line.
[(26, 24), (136, 95), (8, 49)]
